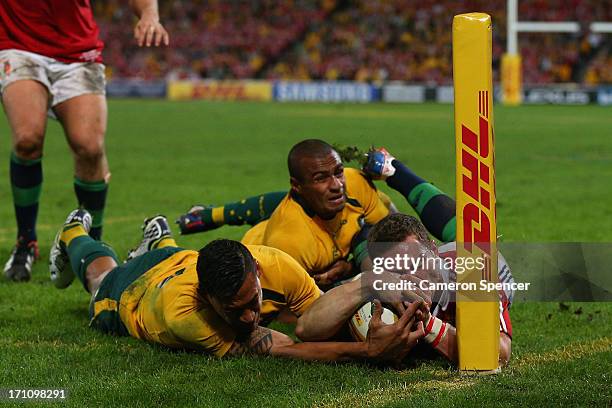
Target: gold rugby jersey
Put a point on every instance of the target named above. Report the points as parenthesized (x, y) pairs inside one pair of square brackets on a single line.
[(315, 243), (163, 305)]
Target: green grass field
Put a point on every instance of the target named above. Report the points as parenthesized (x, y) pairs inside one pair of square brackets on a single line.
[(554, 166)]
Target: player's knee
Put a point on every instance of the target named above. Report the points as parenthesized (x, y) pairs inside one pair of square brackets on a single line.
[(29, 143), (94, 280), (97, 271), (90, 153)]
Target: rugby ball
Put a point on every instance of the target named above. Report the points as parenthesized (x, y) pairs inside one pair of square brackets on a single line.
[(360, 321)]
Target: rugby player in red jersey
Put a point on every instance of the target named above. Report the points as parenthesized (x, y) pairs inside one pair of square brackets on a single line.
[(51, 62), (397, 233)]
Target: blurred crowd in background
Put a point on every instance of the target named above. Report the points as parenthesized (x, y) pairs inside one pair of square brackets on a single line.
[(363, 40)]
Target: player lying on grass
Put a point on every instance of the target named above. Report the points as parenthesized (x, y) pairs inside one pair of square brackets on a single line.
[(331, 312), (330, 209), (210, 301)]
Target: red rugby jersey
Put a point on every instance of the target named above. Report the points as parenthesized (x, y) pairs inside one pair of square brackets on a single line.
[(61, 29), (448, 314)]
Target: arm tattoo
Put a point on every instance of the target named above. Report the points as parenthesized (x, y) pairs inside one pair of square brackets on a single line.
[(237, 349), (260, 342)]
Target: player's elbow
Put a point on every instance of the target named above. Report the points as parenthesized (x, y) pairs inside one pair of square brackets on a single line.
[(299, 331), (303, 330)]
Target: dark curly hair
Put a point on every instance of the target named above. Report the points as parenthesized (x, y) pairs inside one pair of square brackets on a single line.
[(222, 267)]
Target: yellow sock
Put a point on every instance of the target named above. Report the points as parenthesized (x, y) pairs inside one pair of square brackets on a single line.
[(164, 242), (72, 231)]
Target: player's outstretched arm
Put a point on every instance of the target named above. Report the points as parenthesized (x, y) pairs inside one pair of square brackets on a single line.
[(328, 314), (387, 343), (148, 31)]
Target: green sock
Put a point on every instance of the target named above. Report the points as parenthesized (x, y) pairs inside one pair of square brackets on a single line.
[(91, 195), (251, 210), (436, 210), (26, 183), (83, 250)]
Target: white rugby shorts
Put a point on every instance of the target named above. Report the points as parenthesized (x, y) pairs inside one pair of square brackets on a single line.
[(62, 80)]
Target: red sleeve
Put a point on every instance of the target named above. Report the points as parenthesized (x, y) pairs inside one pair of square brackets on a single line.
[(505, 325)]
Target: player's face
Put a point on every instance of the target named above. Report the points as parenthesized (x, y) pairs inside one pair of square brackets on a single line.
[(323, 187), (243, 310), (412, 247)]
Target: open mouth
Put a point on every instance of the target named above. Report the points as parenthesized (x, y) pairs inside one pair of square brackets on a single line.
[(337, 200)]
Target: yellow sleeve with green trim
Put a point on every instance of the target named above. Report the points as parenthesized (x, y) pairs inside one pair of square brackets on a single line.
[(300, 289), (284, 277)]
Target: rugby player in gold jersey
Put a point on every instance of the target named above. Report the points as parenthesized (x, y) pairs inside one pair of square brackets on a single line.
[(211, 300)]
